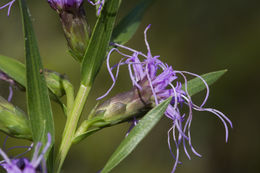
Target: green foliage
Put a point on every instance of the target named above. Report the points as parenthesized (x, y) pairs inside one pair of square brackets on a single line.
[(38, 103), (14, 69), (196, 85), (99, 42), (56, 83), (128, 26)]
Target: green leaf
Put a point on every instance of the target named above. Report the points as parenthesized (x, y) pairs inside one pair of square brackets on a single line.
[(144, 126), (196, 85), (16, 70), (99, 42), (127, 27), (38, 102), (82, 136)]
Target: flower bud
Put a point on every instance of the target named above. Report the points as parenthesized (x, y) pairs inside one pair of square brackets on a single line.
[(13, 121), (54, 82), (125, 106), (74, 23), (120, 108)]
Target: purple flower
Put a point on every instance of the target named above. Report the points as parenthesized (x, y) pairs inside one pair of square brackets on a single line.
[(65, 4), (9, 5), (70, 5), (23, 165), (149, 73)]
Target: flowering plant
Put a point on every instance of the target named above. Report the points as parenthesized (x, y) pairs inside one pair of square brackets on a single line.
[(157, 89)]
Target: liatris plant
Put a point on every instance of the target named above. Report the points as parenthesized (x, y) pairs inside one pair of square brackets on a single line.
[(157, 89)]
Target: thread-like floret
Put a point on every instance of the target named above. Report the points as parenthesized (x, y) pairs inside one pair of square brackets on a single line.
[(23, 165)]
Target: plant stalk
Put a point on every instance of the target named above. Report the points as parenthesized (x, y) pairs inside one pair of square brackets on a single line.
[(70, 127)]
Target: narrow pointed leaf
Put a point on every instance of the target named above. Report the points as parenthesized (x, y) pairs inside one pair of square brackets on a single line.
[(127, 27), (196, 85), (38, 103), (99, 42), (16, 70), (144, 126)]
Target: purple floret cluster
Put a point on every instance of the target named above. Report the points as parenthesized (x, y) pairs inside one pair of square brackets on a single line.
[(149, 72), (65, 4), (23, 165)]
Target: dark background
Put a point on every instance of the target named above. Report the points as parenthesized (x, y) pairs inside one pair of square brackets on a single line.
[(197, 36)]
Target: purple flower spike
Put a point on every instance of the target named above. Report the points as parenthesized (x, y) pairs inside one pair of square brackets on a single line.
[(23, 165), (149, 73), (9, 5)]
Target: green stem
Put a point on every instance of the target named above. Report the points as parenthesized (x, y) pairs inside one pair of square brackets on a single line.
[(69, 90), (70, 127)]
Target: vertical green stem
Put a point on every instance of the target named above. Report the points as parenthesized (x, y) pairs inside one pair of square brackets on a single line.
[(69, 90), (70, 127)]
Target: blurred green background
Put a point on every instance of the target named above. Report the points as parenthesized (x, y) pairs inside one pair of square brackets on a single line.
[(198, 36)]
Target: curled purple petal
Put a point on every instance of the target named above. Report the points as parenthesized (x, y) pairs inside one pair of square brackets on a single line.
[(9, 5)]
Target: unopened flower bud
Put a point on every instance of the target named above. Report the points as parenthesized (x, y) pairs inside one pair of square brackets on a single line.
[(125, 106), (120, 108), (74, 23), (55, 82), (13, 121)]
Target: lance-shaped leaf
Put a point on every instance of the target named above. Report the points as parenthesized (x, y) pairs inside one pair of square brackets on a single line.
[(38, 102), (127, 27), (196, 85), (99, 42), (16, 70), (136, 135)]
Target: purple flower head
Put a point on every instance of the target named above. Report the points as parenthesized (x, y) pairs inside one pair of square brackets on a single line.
[(9, 5), (60, 5), (148, 72), (23, 165)]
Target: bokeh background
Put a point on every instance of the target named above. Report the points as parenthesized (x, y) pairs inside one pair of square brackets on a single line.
[(198, 36)]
